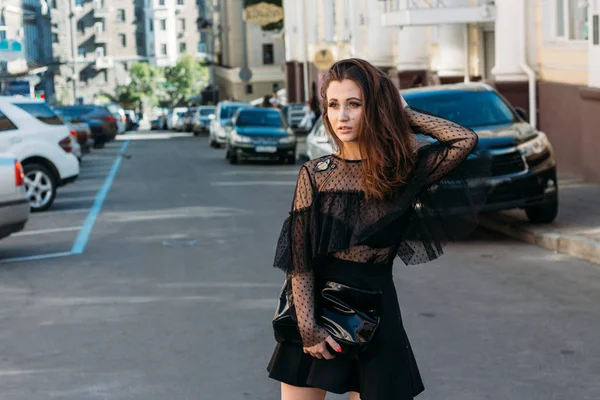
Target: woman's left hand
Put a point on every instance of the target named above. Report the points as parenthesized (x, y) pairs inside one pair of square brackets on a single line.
[(320, 350)]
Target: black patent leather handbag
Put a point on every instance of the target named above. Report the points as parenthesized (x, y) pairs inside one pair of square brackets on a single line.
[(350, 315)]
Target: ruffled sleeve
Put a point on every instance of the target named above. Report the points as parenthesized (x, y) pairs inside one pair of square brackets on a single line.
[(446, 207), (294, 255)]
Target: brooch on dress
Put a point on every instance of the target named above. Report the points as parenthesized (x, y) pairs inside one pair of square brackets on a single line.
[(323, 165)]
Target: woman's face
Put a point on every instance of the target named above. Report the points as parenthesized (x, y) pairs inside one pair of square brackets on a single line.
[(345, 109)]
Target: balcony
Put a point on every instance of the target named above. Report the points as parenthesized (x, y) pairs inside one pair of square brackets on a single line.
[(104, 62), (100, 11), (434, 12)]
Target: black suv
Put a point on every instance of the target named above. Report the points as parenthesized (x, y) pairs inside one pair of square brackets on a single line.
[(520, 158)]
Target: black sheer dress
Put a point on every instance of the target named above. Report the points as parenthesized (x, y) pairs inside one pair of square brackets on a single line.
[(333, 232)]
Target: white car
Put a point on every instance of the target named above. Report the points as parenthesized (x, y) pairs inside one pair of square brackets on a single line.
[(174, 116), (318, 143), (14, 206), (217, 134), (41, 141)]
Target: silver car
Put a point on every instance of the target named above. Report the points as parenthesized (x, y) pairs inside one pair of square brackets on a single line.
[(318, 143), (14, 206)]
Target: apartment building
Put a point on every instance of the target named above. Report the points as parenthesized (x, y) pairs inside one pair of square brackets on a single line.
[(110, 35), (173, 27), (542, 55), (26, 24), (245, 46)]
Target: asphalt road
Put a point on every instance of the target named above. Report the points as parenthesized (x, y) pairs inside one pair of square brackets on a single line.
[(173, 292)]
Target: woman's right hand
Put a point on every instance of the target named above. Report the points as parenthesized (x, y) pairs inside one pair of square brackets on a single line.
[(320, 350)]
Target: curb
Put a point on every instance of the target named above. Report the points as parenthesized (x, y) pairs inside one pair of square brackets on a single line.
[(573, 245)]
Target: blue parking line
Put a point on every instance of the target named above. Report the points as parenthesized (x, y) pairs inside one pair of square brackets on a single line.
[(90, 220), (37, 257)]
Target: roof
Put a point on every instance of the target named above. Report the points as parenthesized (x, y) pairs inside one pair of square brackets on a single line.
[(471, 86)]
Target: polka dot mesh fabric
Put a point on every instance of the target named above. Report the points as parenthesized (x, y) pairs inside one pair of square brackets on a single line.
[(330, 216)]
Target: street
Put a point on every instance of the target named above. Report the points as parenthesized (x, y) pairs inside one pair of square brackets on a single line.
[(151, 278)]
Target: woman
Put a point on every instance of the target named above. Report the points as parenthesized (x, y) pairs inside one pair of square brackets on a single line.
[(352, 213)]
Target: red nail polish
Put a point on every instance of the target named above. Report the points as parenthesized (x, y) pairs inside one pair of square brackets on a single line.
[(339, 349)]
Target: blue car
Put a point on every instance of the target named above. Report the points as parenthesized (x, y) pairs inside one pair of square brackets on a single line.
[(260, 133), (202, 119)]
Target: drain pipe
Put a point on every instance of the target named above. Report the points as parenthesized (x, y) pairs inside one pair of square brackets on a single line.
[(527, 68)]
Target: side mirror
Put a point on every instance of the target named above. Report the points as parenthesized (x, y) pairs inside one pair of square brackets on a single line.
[(522, 113)]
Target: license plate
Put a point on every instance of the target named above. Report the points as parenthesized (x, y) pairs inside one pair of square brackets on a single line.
[(266, 149)]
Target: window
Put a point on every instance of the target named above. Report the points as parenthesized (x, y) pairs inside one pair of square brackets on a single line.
[(151, 26), (82, 52), (99, 27), (596, 28), (80, 26), (55, 38), (5, 123), (105, 76), (181, 24), (163, 49), (267, 54), (249, 89), (163, 24), (99, 51), (161, 2), (125, 66), (571, 21), (123, 39), (182, 47), (121, 15), (42, 112), (179, 2)]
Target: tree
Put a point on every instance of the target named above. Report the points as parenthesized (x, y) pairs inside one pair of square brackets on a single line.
[(143, 83), (128, 96), (186, 78)]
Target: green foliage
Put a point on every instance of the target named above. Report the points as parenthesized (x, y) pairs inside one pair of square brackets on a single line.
[(143, 81), (128, 96), (186, 78)]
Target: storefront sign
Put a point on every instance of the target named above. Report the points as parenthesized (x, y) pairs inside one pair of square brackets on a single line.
[(263, 14)]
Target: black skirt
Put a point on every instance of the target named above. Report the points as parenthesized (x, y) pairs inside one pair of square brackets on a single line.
[(386, 370)]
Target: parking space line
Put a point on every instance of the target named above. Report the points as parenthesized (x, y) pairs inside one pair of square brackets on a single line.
[(44, 231), (37, 257), (90, 220)]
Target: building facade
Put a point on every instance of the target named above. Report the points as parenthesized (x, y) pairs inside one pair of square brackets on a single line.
[(27, 22), (240, 46), (542, 55), (110, 35)]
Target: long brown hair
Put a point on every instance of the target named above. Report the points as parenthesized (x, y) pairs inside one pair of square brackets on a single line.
[(385, 139)]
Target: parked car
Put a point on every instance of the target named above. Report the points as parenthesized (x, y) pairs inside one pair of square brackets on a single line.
[(260, 133), (202, 119), (41, 141), (80, 130), (225, 110), (188, 119), (180, 121), (102, 123), (119, 114), (521, 158), (158, 123), (173, 117), (131, 120), (14, 206)]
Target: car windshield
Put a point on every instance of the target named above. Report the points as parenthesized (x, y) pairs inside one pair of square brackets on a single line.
[(206, 111), (259, 118), (465, 107), (191, 112), (70, 113), (228, 111)]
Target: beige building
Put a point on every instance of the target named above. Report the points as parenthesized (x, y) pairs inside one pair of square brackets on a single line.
[(543, 55), (242, 45)]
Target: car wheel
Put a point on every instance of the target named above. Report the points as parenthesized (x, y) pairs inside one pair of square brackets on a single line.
[(40, 186), (543, 213), (233, 159), (98, 145), (291, 160)]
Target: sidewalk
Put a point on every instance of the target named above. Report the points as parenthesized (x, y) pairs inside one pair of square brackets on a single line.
[(576, 230)]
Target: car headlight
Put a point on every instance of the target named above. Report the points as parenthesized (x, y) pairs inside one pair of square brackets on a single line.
[(288, 139), (535, 146), (237, 138)]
